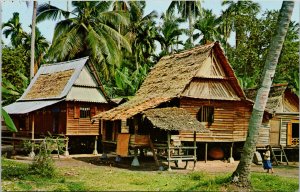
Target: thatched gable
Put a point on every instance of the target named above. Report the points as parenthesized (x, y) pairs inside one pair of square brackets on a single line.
[(173, 74), (279, 94), (173, 119)]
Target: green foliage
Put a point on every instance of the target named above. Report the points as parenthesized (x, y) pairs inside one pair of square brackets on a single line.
[(248, 59), (8, 121), (43, 163), (91, 31)]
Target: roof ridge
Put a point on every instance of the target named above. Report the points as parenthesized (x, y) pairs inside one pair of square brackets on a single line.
[(64, 62), (183, 53)]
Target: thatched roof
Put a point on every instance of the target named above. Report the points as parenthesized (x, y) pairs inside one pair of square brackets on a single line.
[(49, 85), (168, 80), (274, 99), (173, 118)]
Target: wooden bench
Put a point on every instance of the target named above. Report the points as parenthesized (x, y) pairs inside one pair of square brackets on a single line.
[(180, 153)]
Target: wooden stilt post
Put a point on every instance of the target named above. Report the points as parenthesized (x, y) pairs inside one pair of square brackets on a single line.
[(67, 147), (169, 151), (206, 152), (195, 150), (231, 160), (32, 137), (95, 152), (13, 143)]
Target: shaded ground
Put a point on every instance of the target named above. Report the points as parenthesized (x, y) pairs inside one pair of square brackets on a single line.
[(147, 164)]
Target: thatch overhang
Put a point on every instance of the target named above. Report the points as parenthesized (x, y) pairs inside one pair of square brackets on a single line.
[(173, 119), (171, 76), (275, 96)]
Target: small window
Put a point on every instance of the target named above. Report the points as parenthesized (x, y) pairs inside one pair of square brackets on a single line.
[(85, 112), (206, 114)]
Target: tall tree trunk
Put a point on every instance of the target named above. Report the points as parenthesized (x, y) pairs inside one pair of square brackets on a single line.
[(242, 173), (190, 22), (32, 39)]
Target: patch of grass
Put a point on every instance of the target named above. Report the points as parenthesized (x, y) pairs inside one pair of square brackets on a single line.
[(101, 178), (12, 169), (17, 177), (268, 182)]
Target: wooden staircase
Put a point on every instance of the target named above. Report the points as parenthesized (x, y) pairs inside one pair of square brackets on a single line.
[(278, 154)]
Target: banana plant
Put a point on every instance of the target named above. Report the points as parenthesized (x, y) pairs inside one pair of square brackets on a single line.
[(8, 121)]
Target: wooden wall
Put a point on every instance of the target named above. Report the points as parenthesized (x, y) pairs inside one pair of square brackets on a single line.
[(83, 126), (43, 121), (230, 120), (280, 123)]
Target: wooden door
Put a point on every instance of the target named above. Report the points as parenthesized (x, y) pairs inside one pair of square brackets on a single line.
[(289, 133), (274, 132)]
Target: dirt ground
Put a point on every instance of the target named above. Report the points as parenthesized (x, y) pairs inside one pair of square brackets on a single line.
[(147, 164)]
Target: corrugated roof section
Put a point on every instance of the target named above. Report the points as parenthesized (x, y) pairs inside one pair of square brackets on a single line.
[(85, 79), (86, 94), (27, 106), (75, 65)]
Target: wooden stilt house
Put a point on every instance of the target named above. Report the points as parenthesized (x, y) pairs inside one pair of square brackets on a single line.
[(199, 81), (60, 100), (283, 104)]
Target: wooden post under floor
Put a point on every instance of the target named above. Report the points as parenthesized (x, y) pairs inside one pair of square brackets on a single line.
[(195, 151), (95, 152), (66, 153), (169, 151), (206, 145), (32, 154)]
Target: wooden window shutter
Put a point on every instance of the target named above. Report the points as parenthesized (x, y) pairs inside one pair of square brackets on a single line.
[(93, 111), (289, 133), (76, 111)]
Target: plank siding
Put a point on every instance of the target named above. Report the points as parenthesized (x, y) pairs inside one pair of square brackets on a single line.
[(230, 120), (83, 126)]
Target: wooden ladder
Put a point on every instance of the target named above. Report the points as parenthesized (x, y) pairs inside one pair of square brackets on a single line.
[(281, 154)]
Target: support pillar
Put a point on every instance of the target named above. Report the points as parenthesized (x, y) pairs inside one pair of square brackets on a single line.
[(231, 160), (195, 150), (169, 151), (95, 152), (32, 154), (66, 153), (135, 161), (206, 145)]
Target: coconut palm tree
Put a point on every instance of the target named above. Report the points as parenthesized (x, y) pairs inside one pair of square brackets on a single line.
[(90, 29), (208, 25), (141, 32), (242, 173), (169, 32), (13, 28), (41, 46), (189, 10), (235, 16), (33, 39)]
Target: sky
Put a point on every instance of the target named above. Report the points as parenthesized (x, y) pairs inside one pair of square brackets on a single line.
[(47, 27)]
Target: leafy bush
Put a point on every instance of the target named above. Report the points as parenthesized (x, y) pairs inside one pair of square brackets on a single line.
[(43, 164)]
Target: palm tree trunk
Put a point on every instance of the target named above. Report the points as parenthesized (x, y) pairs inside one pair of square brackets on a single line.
[(32, 39), (242, 172), (190, 22)]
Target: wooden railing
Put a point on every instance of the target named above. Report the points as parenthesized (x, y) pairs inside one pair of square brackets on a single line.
[(12, 141)]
